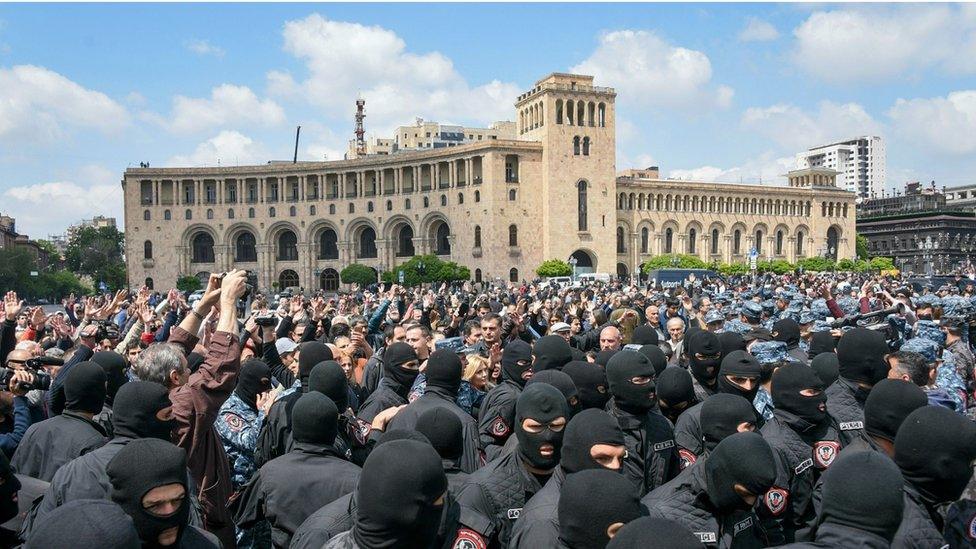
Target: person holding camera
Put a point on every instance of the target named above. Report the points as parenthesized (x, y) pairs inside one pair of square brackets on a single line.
[(15, 426)]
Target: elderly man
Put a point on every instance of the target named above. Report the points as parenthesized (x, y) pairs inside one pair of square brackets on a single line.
[(676, 336), (610, 339)]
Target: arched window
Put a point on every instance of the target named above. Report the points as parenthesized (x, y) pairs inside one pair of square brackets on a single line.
[(352, 208), (580, 113), (590, 114), (620, 240), (645, 234), (367, 243), (581, 205), (426, 202), (576, 146), (369, 207), (250, 213), (693, 241), (148, 283), (328, 244), (292, 212), (167, 215), (513, 235), (389, 205), (714, 241), (602, 115), (188, 214), (513, 275), (405, 241), (406, 204), (147, 250), (271, 211), (477, 275), (799, 243), (511, 194), (145, 215), (443, 200), (287, 246), (311, 210), (779, 242), (477, 196), (245, 248), (477, 236), (460, 198), (570, 112), (669, 241), (209, 213), (759, 236), (288, 279), (329, 280), (442, 240), (202, 248), (332, 209), (230, 213), (559, 111), (586, 146), (737, 242)]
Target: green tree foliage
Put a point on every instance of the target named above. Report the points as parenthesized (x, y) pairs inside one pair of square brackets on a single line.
[(882, 263), (845, 265), (356, 273), (816, 264), (861, 246), (188, 283), (16, 266), (729, 269), (685, 261), (48, 246), (427, 269), (554, 267), (777, 266), (98, 254)]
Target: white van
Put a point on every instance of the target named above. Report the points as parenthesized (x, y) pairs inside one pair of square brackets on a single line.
[(560, 280), (594, 277)]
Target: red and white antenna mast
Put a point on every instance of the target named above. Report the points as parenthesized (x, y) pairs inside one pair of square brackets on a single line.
[(360, 132)]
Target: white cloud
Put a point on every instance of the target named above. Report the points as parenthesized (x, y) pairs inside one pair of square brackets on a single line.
[(228, 148), (794, 129), (941, 124), (203, 47), (766, 169), (228, 105), (47, 208), (757, 30), (40, 105), (647, 71), (873, 43), (345, 60)]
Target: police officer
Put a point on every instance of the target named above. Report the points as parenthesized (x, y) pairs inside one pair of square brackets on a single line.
[(496, 418), (400, 369), (591, 382), (788, 331), (721, 415), (704, 358), (715, 499), (861, 364), (805, 443), (675, 393), (652, 458), (353, 438), (593, 440), (239, 420), (445, 432), (493, 498), (593, 506)]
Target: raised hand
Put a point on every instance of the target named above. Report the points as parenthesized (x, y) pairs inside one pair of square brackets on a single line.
[(12, 306)]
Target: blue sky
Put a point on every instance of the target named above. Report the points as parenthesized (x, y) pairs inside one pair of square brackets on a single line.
[(722, 92)]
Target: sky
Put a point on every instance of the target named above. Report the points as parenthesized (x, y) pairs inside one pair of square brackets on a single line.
[(715, 92)]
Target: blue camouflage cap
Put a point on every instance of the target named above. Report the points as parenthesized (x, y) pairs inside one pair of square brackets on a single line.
[(769, 352), (927, 329), (848, 304), (955, 305), (714, 315), (930, 300), (751, 309), (925, 347), (807, 317), (768, 305), (819, 308)]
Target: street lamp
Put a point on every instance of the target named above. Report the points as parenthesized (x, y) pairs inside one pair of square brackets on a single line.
[(675, 261), (572, 263)]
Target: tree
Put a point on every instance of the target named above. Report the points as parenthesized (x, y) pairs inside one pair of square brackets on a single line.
[(861, 246), (355, 273), (684, 261), (188, 283), (882, 264), (729, 269), (554, 267), (48, 247), (98, 254), (816, 264), (777, 266), (16, 266), (845, 265), (421, 269)]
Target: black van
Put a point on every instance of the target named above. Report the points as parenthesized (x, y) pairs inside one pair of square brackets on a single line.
[(671, 278)]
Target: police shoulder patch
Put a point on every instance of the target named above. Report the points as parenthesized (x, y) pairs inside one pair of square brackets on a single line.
[(851, 425), (659, 446), (499, 428), (824, 452), (234, 422), (972, 528), (686, 458), (469, 539), (776, 499)]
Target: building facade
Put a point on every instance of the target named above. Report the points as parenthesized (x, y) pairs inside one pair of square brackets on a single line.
[(861, 161), (497, 206)]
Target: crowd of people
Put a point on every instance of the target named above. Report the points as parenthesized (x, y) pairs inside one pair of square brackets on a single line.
[(802, 410)]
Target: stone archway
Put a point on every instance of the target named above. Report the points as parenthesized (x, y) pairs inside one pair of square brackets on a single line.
[(585, 262)]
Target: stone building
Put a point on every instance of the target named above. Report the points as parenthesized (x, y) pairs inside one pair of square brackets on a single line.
[(498, 206)]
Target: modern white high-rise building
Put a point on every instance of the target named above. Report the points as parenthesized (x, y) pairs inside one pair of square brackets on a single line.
[(860, 160)]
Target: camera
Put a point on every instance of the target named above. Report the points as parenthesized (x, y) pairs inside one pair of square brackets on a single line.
[(266, 320), (42, 380), (106, 329)]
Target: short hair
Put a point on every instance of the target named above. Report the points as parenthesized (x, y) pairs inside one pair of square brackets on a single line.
[(355, 320), (157, 361), (469, 327), (338, 330), (678, 318), (492, 317), (421, 327), (390, 331), (913, 365)]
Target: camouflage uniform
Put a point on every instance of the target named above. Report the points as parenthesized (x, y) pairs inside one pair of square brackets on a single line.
[(238, 426)]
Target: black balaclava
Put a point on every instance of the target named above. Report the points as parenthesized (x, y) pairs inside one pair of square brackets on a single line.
[(84, 388), (788, 381), (551, 352), (821, 342), (623, 367), (134, 414), (603, 357), (194, 361), (787, 331), (861, 357), (8, 490), (739, 364), (396, 354), (254, 379), (542, 403), (399, 484), (644, 335), (139, 467), (444, 371), (742, 458), (934, 449), (864, 491), (721, 415), (329, 379), (564, 383), (311, 353), (114, 365), (826, 366), (314, 419), (731, 341), (85, 524), (586, 429), (654, 533), (674, 387), (591, 380), (889, 403), (401, 434), (444, 431), (589, 502), (516, 361), (656, 356), (704, 343)]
